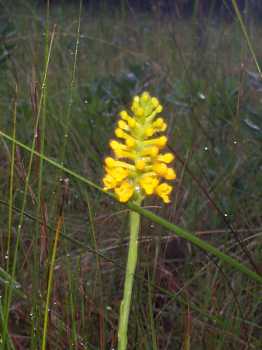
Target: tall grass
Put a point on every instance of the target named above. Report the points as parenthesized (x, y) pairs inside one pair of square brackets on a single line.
[(62, 85)]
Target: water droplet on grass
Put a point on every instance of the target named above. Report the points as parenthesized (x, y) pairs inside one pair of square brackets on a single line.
[(201, 96)]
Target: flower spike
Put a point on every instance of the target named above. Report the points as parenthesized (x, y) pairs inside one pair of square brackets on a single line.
[(137, 168)]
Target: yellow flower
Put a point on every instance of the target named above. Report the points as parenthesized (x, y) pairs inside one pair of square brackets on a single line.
[(163, 191), (160, 169), (118, 173), (125, 191), (109, 182), (170, 174), (148, 184), (138, 166), (166, 158)]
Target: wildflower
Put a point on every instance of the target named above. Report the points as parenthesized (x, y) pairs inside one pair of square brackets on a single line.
[(138, 166)]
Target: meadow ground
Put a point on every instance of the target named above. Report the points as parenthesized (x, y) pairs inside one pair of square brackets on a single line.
[(70, 71)]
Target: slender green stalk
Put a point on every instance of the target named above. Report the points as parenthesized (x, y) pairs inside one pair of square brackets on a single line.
[(50, 280), (180, 232), (151, 316), (98, 275), (41, 136), (9, 342), (129, 280), (71, 304), (244, 30), (72, 89), (10, 223), (11, 187), (24, 201)]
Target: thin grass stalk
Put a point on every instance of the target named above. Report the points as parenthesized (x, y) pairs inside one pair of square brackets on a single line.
[(9, 342), (151, 317), (71, 307), (188, 330), (50, 279), (10, 217), (11, 188), (129, 280), (244, 30), (98, 275), (40, 133), (72, 88), (43, 119), (21, 219), (68, 114), (180, 232)]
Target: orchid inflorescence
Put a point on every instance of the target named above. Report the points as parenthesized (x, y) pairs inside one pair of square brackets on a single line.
[(138, 166)]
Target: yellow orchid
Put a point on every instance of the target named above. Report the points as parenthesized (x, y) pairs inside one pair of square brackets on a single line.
[(138, 166)]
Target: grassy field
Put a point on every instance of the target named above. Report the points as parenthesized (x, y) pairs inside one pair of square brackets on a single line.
[(65, 74)]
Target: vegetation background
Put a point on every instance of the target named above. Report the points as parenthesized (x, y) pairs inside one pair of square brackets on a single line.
[(66, 70)]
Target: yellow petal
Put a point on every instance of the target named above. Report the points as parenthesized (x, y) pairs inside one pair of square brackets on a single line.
[(109, 182), (131, 122), (148, 184), (170, 174), (135, 104), (158, 123), (124, 115), (163, 191), (166, 158), (149, 132), (140, 164), (159, 109), (145, 96), (136, 99), (120, 133), (110, 162), (123, 125), (117, 145), (118, 173), (150, 151), (139, 112), (159, 141), (154, 102), (125, 191), (160, 168), (130, 142)]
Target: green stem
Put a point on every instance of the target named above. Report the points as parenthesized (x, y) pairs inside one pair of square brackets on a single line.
[(129, 279), (50, 280), (244, 30)]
